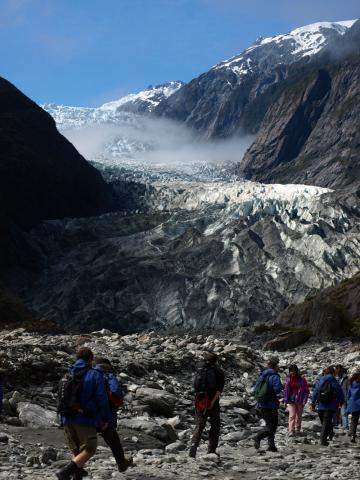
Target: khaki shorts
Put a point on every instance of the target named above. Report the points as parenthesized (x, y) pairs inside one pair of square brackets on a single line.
[(80, 437)]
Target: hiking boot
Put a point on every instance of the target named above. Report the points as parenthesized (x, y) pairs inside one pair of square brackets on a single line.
[(324, 443), (67, 472), (272, 448), (256, 443), (353, 440), (128, 462), (192, 451)]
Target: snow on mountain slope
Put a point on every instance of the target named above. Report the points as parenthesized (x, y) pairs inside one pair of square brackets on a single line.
[(119, 111), (144, 101), (286, 48)]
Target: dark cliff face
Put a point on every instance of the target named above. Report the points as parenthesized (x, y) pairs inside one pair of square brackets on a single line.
[(310, 134), (42, 176)]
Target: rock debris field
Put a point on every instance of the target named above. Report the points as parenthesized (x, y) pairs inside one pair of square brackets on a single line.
[(156, 422)]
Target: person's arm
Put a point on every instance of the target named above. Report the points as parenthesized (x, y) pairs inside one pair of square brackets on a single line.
[(102, 401), (276, 384), (315, 395), (306, 391), (220, 383), (115, 386)]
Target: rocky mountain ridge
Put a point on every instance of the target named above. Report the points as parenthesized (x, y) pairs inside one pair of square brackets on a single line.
[(225, 100)]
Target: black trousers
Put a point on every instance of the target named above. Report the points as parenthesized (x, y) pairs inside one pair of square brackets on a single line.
[(213, 416), (354, 423), (327, 425), (271, 417), (112, 439)]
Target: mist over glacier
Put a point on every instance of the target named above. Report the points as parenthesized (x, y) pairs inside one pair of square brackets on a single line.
[(154, 142)]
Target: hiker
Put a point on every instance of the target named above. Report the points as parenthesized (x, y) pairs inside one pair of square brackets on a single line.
[(353, 404), (116, 399), (296, 394), (327, 395), (208, 385), (267, 388), (342, 377), (83, 404)]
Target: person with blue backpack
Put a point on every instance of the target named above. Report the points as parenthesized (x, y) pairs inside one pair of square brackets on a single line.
[(116, 399), (83, 405), (327, 396), (353, 404), (266, 391)]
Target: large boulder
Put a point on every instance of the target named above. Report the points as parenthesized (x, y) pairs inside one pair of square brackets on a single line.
[(287, 340), (34, 416), (159, 401), (163, 432)]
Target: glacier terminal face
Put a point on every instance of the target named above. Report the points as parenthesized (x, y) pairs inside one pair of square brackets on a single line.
[(196, 255)]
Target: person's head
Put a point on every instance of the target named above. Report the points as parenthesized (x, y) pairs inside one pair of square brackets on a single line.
[(86, 354), (330, 370), (104, 363), (210, 358), (273, 363), (294, 371), (340, 371)]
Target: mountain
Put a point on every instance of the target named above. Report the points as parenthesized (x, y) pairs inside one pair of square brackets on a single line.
[(115, 112), (225, 100), (310, 133), (42, 176)]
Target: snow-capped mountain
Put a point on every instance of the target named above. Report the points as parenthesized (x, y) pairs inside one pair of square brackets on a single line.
[(285, 48), (226, 100), (115, 112)]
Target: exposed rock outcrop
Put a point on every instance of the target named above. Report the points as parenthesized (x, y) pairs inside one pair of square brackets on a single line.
[(334, 312)]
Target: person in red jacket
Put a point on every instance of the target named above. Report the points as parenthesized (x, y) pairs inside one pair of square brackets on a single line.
[(296, 394)]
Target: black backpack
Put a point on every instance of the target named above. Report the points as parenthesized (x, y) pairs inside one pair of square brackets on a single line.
[(205, 381), (69, 393), (326, 393)]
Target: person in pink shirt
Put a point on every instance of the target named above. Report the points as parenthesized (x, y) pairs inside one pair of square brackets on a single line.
[(296, 394)]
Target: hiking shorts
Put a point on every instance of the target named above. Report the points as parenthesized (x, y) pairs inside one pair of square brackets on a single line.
[(80, 437)]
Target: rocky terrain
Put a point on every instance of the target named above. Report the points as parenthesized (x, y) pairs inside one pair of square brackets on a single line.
[(157, 419)]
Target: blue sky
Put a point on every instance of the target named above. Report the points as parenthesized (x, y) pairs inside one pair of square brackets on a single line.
[(86, 52)]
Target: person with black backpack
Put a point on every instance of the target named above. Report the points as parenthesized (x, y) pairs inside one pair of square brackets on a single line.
[(115, 394), (82, 405), (327, 395), (208, 385), (267, 388)]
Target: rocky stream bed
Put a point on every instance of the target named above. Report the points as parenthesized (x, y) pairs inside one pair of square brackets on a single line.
[(157, 419)]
